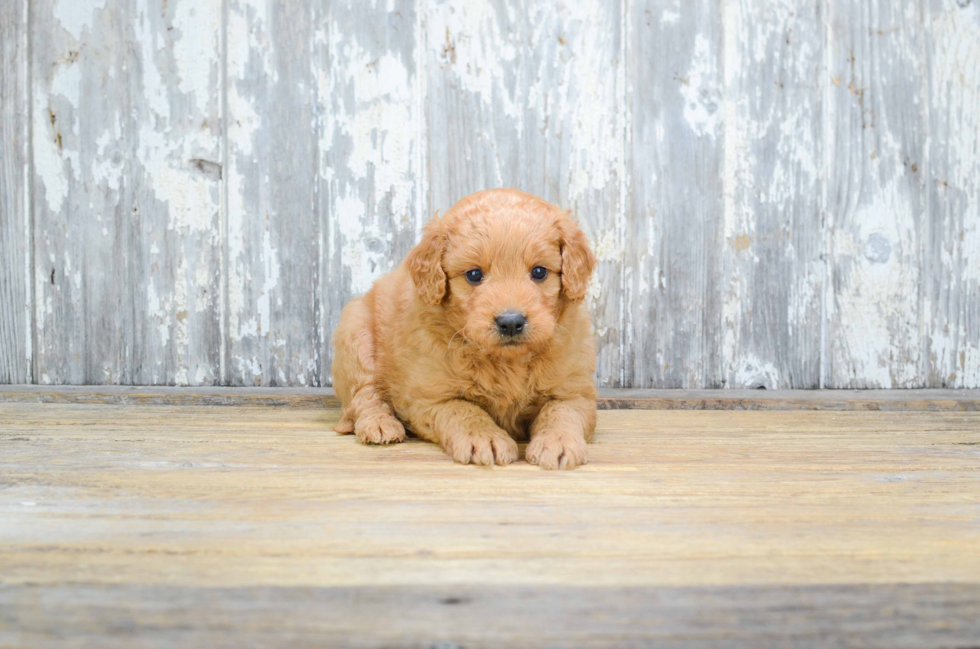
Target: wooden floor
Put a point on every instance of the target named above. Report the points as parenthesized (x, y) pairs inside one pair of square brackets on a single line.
[(155, 525)]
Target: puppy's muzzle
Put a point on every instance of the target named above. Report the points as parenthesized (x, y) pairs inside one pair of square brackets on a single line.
[(511, 324)]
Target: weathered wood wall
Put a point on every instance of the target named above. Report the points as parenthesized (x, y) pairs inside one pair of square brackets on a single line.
[(781, 193)]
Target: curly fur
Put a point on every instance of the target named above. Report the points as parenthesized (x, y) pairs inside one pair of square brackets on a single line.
[(421, 351)]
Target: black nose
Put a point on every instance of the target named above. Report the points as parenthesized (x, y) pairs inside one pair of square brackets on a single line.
[(511, 323)]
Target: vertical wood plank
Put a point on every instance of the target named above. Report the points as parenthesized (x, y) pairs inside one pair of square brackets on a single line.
[(574, 120), (176, 108), (673, 292), (371, 180), (773, 272), (952, 284), (273, 233), (83, 199), (15, 226), (532, 97), (876, 197), (126, 132), (476, 80)]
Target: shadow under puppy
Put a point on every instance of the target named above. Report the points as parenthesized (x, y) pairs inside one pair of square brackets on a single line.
[(478, 338)]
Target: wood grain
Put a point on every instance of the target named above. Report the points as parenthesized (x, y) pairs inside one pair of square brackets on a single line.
[(194, 522), (476, 88), (85, 209), (273, 231), (177, 176), (15, 217), (609, 398), (773, 273), (574, 121), (372, 193), (877, 195), (674, 161), (126, 127), (951, 303), (781, 194), (913, 616)]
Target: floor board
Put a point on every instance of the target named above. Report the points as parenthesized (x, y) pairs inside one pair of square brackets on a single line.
[(145, 525), (609, 398)]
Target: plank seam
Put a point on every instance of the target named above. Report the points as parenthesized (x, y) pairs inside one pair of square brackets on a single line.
[(318, 337), (920, 400), (825, 216), (421, 132), (31, 316), (223, 218), (626, 375), (926, 212)]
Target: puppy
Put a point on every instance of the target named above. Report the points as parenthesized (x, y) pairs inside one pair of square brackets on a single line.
[(479, 338)]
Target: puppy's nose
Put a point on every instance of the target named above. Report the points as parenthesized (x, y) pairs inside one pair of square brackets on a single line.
[(511, 323)]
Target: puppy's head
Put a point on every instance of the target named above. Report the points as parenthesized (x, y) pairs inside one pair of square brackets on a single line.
[(501, 265)]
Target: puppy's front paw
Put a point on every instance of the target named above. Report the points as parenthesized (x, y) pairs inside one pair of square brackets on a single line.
[(379, 428), (557, 451), (481, 448)]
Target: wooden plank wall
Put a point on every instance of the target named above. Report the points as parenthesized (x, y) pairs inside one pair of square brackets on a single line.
[(15, 225), (781, 194)]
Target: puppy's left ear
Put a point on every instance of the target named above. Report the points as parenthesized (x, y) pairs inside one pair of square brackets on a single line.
[(425, 263), (577, 260)]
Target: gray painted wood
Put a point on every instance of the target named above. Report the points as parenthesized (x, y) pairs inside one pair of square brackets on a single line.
[(176, 144), (126, 138), (164, 615), (675, 150), (781, 195), (931, 400), (773, 271), (84, 199), (574, 120), (532, 97), (272, 229), (371, 193), (476, 96), (951, 303), (15, 225), (876, 195)]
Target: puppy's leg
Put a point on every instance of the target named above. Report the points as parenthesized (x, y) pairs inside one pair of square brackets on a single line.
[(466, 432), (366, 413), (560, 433)]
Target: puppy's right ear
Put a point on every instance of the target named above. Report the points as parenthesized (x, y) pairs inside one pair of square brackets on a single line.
[(425, 263)]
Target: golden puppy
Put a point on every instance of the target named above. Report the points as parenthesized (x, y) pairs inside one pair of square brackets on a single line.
[(478, 338)]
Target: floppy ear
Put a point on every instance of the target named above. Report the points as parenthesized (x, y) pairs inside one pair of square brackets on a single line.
[(425, 263), (577, 260)]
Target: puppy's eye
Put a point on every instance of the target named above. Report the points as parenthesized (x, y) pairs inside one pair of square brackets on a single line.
[(474, 276), (538, 273)]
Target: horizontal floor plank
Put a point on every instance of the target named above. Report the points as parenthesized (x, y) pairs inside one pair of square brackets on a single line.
[(895, 616), (609, 399), (154, 525)]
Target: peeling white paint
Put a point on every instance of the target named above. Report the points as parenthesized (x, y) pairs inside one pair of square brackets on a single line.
[(370, 124), (75, 16), (755, 373), (363, 265), (735, 220), (271, 273), (955, 98), (700, 89), (468, 38), (508, 65), (608, 246), (199, 26), (877, 302), (54, 133)]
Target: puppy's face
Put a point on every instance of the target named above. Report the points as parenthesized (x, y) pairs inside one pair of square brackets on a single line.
[(500, 265)]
